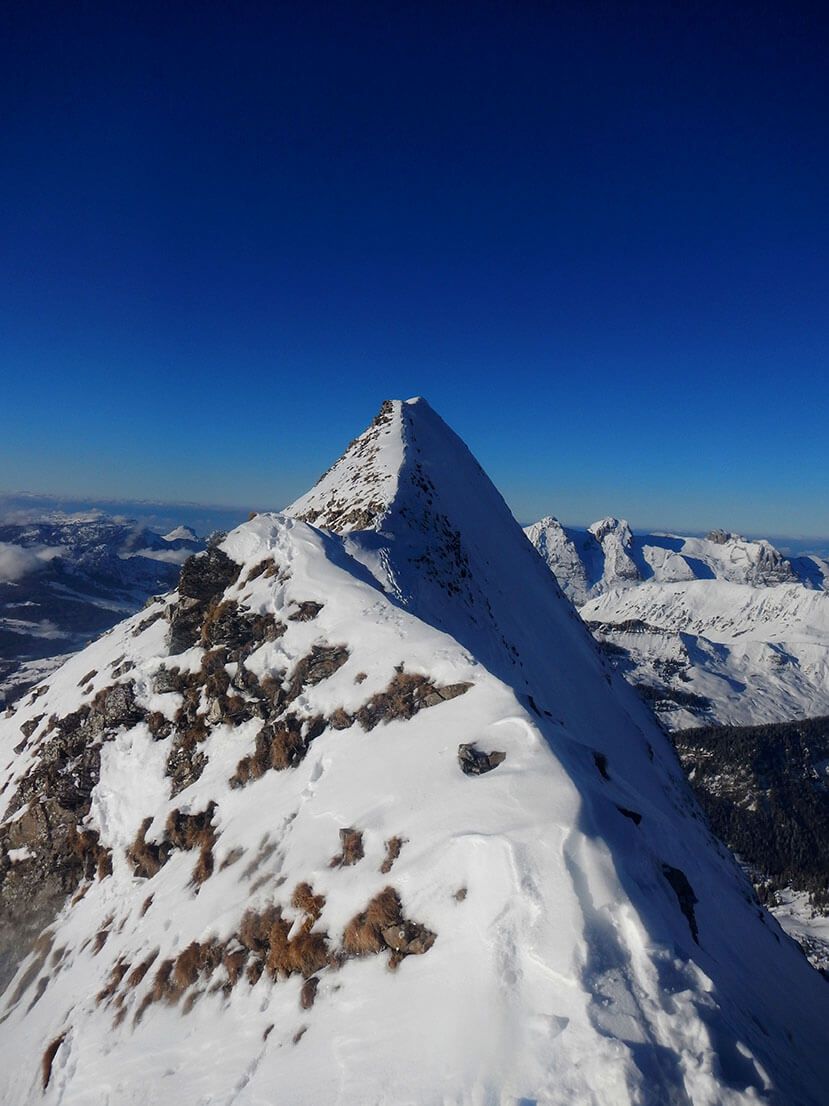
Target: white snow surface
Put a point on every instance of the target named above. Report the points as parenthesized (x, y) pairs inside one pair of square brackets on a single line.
[(568, 974)]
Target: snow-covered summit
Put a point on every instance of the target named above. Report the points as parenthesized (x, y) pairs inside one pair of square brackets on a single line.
[(359, 815), (356, 491)]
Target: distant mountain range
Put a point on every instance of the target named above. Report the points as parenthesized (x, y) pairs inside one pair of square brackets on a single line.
[(66, 578), (711, 630)]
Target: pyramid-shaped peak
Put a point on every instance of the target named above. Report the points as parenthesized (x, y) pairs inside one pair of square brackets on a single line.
[(355, 492), (404, 439)]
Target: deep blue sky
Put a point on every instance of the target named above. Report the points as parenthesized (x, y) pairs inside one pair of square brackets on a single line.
[(595, 236)]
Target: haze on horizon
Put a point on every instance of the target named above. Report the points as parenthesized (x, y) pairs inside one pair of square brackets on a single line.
[(594, 239)]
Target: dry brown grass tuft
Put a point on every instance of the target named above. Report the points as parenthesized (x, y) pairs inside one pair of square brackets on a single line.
[(287, 745), (308, 953), (191, 831), (310, 904), (363, 934), (49, 1059), (308, 992), (277, 961), (265, 568), (255, 929), (146, 858), (161, 982), (393, 847), (190, 1001), (382, 925), (278, 746), (404, 696), (146, 1001), (234, 963), (95, 859), (351, 843), (204, 866), (140, 970), (187, 967), (119, 970)]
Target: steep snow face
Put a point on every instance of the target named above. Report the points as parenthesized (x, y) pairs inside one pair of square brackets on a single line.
[(718, 629), (313, 719), (358, 488)]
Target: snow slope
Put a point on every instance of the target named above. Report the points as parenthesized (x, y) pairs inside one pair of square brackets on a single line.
[(715, 629), (574, 934)]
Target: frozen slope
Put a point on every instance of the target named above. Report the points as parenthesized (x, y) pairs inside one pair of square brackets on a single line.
[(565, 929)]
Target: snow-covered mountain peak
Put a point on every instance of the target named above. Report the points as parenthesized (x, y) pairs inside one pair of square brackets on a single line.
[(355, 492), (181, 533), (721, 537), (419, 511), (620, 527), (394, 465), (358, 814)]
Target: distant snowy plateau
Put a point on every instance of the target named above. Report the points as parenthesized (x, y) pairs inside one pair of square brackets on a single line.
[(360, 814), (711, 630)]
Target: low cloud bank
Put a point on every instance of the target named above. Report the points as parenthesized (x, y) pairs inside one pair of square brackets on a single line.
[(17, 561)]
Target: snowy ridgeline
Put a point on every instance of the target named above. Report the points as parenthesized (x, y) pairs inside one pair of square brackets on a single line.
[(361, 815), (715, 629)]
